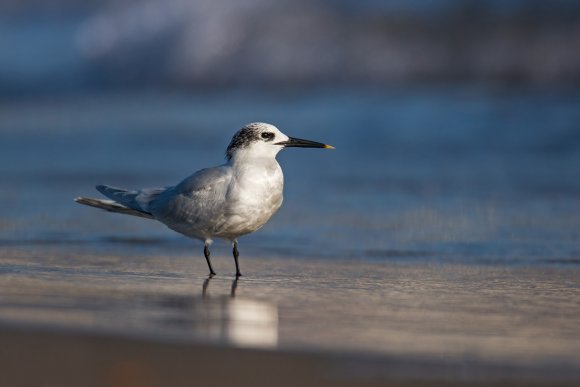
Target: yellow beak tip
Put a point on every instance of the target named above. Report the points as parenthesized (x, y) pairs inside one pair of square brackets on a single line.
[(328, 146)]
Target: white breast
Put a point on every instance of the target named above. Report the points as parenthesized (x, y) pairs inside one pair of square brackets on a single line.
[(254, 195)]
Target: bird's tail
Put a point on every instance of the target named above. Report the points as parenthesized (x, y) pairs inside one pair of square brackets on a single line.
[(112, 206)]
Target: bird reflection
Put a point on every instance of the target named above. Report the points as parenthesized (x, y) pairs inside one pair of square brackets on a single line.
[(205, 285), (224, 318), (234, 288)]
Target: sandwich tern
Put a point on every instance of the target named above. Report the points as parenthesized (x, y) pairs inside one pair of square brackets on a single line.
[(227, 201)]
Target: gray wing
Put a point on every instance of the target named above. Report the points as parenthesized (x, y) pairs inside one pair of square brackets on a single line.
[(112, 206), (137, 199), (197, 200), (205, 180)]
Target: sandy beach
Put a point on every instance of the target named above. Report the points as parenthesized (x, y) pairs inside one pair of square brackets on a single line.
[(69, 319)]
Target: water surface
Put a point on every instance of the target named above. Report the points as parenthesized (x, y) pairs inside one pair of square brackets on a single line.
[(439, 175)]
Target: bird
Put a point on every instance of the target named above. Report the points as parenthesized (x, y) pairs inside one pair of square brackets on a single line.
[(221, 202)]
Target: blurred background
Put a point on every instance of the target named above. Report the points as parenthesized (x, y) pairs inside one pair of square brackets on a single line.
[(456, 123), (70, 46)]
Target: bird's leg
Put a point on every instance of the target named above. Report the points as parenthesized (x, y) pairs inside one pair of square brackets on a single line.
[(236, 255), (207, 254)]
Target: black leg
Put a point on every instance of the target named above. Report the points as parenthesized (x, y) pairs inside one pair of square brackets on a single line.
[(207, 254), (236, 255)]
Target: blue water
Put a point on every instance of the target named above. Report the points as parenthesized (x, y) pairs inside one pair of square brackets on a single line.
[(469, 175)]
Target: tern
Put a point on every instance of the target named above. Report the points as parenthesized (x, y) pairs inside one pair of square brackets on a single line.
[(226, 202)]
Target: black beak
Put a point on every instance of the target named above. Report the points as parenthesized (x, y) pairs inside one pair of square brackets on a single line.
[(299, 143)]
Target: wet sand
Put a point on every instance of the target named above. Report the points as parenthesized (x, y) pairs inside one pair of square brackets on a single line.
[(70, 317), (69, 359)]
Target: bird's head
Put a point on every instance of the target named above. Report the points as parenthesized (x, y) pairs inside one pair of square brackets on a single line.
[(259, 139)]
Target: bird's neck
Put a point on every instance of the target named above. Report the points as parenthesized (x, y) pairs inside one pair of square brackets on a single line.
[(242, 160), (256, 169)]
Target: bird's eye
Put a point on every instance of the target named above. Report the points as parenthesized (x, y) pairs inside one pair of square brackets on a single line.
[(268, 136)]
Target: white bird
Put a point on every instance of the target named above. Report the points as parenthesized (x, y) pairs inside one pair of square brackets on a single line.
[(227, 201)]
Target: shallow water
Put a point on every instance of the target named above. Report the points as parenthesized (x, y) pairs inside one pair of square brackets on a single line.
[(435, 175)]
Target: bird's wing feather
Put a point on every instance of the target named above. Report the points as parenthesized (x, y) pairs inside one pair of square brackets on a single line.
[(208, 179), (198, 199), (137, 199), (112, 206)]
